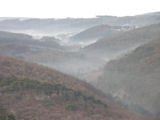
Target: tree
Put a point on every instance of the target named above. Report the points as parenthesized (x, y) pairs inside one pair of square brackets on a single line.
[(11, 117)]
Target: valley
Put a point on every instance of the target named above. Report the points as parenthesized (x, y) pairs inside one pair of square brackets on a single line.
[(99, 68)]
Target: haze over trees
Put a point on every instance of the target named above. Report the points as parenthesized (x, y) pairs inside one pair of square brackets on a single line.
[(48, 67)]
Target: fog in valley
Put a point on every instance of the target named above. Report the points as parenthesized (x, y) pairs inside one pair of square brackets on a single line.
[(117, 55)]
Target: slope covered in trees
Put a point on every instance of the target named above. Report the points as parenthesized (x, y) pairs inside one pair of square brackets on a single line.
[(134, 79), (32, 91)]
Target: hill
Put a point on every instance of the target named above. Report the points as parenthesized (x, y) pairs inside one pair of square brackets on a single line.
[(97, 32), (8, 38), (30, 91), (123, 42), (133, 80)]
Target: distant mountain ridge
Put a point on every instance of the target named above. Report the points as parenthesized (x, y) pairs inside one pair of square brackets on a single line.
[(70, 23)]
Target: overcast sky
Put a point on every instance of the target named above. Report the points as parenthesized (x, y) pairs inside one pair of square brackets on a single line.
[(75, 8)]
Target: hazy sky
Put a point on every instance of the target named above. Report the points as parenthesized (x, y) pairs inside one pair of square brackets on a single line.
[(75, 8)]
